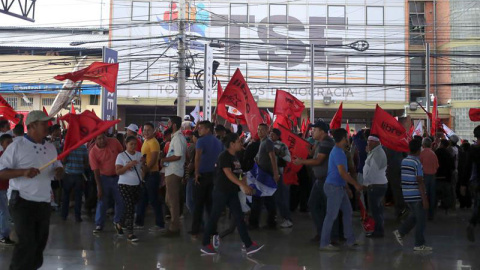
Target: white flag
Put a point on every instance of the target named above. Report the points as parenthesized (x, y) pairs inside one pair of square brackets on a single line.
[(448, 131), (418, 129), (196, 113)]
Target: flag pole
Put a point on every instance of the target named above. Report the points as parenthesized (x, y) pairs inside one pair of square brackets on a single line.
[(48, 164), (312, 80)]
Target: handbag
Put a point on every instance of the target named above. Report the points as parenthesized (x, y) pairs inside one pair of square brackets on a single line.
[(135, 167)]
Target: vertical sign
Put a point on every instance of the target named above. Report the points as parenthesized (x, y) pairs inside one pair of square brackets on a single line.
[(207, 83), (109, 100)]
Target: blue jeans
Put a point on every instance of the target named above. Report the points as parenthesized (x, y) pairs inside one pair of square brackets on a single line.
[(189, 200), (317, 203), (149, 194), (375, 203), (109, 189), (431, 186), (75, 182), (4, 215), (282, 198), (417, 219), (337, 199)]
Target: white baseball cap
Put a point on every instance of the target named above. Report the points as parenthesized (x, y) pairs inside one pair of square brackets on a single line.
[(132, 127), (187, 117)]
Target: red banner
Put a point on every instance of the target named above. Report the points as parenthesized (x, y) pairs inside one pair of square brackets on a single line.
[(237, 94), (81, 129), (101, 73), (7, 111), (288, 105), (49, 122), (474, 114), (223, 112), (298, 148), (392, 134), (435, 120), (337, 118)]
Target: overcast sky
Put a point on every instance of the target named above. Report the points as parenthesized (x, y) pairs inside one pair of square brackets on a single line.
[(63, 13)]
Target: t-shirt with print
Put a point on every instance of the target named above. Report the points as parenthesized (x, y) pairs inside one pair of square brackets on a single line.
[(323, 147), (411, 168), (263, 157), (337, 157), (24, 154), (149, 146), (222, 183), (211, 147), (130, 177)]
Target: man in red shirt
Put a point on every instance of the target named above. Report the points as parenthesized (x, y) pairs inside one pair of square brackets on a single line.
[(5, 140), (102, 159), (430, 165)]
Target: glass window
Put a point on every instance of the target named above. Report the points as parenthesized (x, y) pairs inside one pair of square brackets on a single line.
[(375, 16), (12, 101), (94, 99), (140, 11), (26, 104), (336, 14), (416, 7), (417, 23), (417, 73), (47, 101)]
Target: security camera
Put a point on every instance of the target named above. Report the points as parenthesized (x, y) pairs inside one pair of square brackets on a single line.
[(449, 101)]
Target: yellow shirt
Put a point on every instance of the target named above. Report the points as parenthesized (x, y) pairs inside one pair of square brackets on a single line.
[(148, 147)]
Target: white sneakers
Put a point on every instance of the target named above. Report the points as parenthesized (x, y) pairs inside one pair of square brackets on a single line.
[(286, 224)]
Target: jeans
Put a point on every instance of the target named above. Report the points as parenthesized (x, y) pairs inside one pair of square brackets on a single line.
[(32, 222), (395, 182), (376, 193), (4, 215), (75, 182), (431, 187), (202, 195), (150, 194), (282, 198), (256, 210), (189, 200), (337, 199), (476, 204), (109, 189), (317, 203), (417, 219), (220, 200)]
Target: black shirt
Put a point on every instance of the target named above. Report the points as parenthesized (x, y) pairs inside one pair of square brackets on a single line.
[(222, 183)]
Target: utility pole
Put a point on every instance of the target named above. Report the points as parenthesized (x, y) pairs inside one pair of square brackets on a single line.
[(312, 82), (182, 96), (427, 82)]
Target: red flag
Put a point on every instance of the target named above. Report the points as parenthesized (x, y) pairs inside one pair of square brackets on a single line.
[(304, 127), (93, 111), (434, 119), (72, 110), (266, 117), (337, 118), (238, 95), (288, 105), (348, 130), (307, 128), (49, 122), (219, 92), (81, 129), (392, 134), (98, 72), (282, 120), (7, 111), (222, 110), (298, 148), (474, 114)]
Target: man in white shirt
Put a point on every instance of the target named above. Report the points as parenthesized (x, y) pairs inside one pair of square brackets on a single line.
[(375, 179), (174, 164), (30, 191)]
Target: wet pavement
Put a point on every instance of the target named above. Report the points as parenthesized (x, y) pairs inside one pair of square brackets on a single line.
[(73, 246)]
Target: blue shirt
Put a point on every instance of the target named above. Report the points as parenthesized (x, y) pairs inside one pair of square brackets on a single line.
[(337, 157), (411, 168), (76, 160), (211, 148)]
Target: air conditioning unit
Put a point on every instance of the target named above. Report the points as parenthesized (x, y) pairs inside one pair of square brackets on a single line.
[(422, 101), (327, 100)]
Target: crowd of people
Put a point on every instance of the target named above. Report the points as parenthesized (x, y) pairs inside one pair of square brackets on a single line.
[(201, 168)]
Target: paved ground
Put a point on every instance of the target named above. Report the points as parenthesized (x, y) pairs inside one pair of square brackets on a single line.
[(73, 246)]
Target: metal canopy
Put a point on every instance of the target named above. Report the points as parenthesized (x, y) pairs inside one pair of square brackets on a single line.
[(24, 10)]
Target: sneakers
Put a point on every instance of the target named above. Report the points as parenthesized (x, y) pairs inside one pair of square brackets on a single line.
[(138, 227), (422, 248), (398, 237), (6, 242), (156, 229), (253, 248), (132, 238), (286, 224), (98, 229), (471, 233), (216, 241), (209, 250), (118, 228), (330, 248)]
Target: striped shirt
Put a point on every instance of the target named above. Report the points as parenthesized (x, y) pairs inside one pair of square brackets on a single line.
[(76, 160), (411, 168)]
